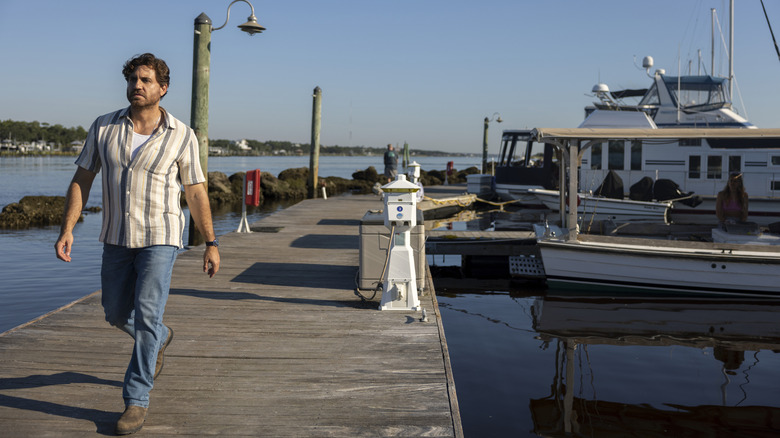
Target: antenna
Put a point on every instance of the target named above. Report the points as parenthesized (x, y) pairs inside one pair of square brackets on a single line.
[(647, 64)]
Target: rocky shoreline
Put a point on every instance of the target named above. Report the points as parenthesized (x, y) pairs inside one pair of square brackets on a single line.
[(224, 191)]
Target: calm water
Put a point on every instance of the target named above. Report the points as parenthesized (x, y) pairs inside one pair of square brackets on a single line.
[(527, 362), (634, 368)]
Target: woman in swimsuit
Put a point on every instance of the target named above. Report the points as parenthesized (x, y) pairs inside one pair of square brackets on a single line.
[(732, 201)]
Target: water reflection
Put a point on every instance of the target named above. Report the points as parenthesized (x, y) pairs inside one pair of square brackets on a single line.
[(731, 330)]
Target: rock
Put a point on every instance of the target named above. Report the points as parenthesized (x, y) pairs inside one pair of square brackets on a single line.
[(237, 182), (219, 182), (299, 173), (335, 185), (432, 178), (370, 175), (34, 211), (297, 180), (460, 176), (221, 190), (437, 177), (274, 188)]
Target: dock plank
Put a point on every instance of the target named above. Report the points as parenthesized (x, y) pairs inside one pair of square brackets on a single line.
[(277, 344)]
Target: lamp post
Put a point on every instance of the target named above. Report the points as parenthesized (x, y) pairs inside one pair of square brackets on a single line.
[(201, 59), (485, 139)]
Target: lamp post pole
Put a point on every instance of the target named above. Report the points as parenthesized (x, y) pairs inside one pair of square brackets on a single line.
[(201, 60), (199, 113), (485, 140), (201, 73), (485, 146)]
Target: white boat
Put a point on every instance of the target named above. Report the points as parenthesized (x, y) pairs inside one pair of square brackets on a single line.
[(607, 263), (619, 263), (685, 101), (698, 166), (596, 208)]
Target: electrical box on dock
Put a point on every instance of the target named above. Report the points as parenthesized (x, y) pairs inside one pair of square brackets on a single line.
[(374, 243)]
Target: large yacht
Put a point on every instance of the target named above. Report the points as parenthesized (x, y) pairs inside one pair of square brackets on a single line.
[(699, 166)]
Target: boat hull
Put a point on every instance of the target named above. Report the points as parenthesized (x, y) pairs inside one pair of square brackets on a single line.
[(618, 210), (518, 194), (625, 264)]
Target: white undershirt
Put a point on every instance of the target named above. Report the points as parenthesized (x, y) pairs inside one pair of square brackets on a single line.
[(138, 141)]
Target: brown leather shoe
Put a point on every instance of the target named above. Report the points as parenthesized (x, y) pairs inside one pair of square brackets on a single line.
[(131, 421), (161, 354)]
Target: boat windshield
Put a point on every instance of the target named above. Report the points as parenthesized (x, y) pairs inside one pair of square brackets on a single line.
[(651, 97), (517, 150), (697, 92)]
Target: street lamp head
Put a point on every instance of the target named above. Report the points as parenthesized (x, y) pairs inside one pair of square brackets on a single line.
[(493, 117), (251, 27)]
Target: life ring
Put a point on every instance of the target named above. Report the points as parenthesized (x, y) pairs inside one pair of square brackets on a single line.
[(578, 200), (450, 167)]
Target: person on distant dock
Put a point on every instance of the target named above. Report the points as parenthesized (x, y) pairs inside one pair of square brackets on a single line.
[(391, 163), (732, 202), (146, 155)]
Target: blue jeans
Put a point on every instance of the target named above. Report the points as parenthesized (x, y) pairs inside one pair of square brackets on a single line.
[(135, 284)]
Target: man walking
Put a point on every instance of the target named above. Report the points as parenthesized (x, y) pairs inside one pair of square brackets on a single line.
[(391, 163), (146, 155)]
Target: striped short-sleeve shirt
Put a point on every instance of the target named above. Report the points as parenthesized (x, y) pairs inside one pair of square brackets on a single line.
[(141, 194)]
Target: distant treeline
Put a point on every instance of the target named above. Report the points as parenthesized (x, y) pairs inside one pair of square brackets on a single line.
[(275, 147), (26, 132)]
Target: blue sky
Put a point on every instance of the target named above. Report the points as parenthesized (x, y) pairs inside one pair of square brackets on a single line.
[(422, 71)]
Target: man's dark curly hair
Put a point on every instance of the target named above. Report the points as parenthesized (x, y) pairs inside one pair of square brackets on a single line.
[(158, 65)]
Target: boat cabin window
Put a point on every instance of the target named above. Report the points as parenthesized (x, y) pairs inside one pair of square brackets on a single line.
[(735, 163), (636, 155), (595, 156), (714, 167), (690, 142), (776, 160), (694, 167), (775, 185), (616, 155)]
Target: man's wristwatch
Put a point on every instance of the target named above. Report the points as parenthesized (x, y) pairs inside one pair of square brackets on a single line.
[(214, 242)]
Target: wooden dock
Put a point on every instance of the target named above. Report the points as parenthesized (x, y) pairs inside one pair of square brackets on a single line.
[(276, 345)]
